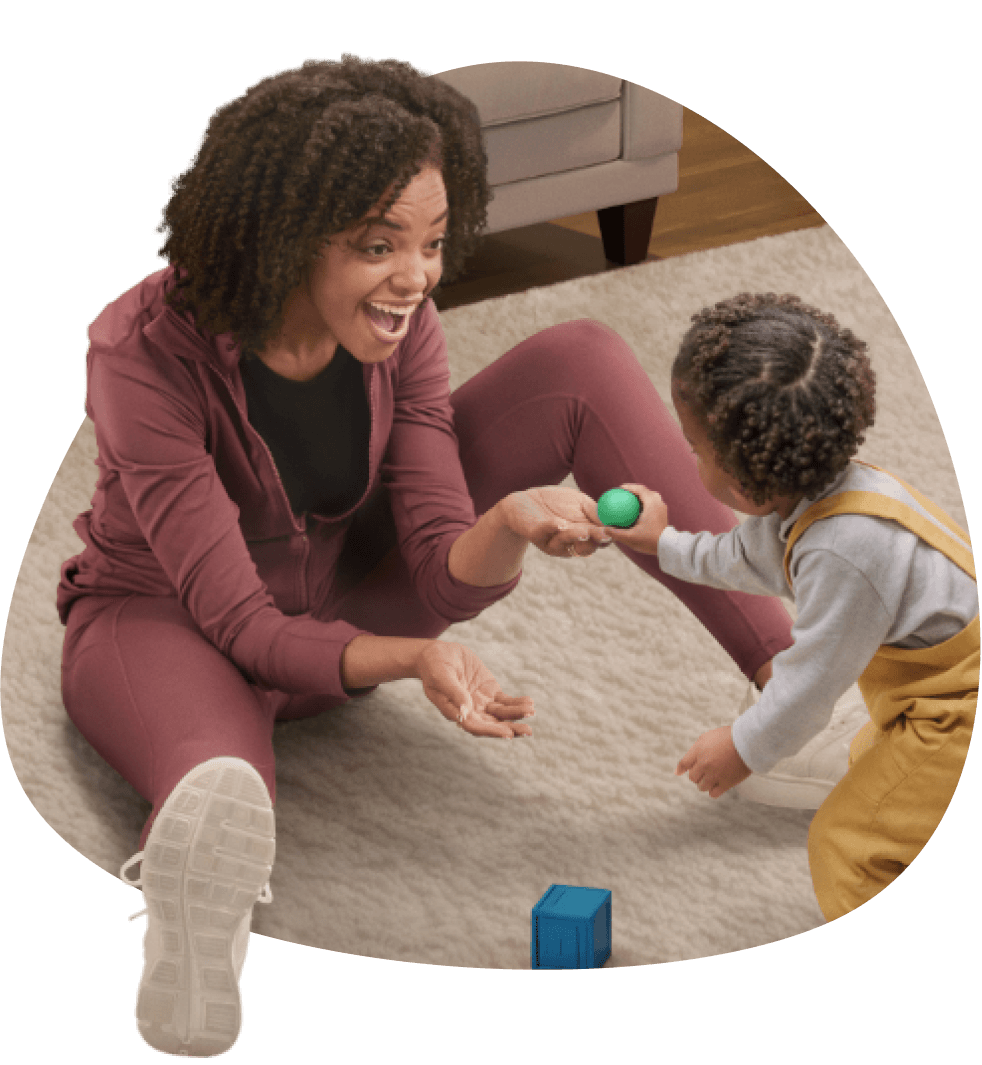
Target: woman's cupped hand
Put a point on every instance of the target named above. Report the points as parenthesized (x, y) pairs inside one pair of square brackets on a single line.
[(466, 692), (561, 522)]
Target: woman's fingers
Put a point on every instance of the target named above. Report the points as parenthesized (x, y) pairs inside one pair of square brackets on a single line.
[(497, 721), (577, 541), (471, 719), (507, 708), (449, 694), (464, 691), (481, 725), (502, 715)]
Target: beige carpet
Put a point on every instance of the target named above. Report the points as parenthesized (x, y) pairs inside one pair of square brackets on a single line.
[(399, 836)]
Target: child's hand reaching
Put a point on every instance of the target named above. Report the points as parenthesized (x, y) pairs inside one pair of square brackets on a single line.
[(643, 535), (713, 763)]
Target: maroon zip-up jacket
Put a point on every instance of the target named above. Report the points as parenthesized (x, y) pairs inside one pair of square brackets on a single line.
[(188, 502)]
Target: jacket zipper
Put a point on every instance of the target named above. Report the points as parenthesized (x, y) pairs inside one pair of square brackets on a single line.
[(299, 527)]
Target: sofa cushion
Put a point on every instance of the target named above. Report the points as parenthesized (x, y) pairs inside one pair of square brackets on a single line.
[(514, 92), (554, 143)]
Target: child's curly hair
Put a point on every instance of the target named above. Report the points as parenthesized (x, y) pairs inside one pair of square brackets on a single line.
[(300, 157), (784, 392)]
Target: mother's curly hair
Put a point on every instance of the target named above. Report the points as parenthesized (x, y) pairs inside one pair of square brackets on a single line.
[(300, 157), (784, 392)]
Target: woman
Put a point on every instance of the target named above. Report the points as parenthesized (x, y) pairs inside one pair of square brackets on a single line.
[(291, 506)]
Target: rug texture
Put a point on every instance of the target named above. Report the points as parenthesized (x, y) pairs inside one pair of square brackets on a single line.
[(400, 837)]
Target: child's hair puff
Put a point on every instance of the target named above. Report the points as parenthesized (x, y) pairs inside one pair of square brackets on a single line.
[(784, 392)]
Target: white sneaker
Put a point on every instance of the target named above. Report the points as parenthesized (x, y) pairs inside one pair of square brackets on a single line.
[(206, 863), (804, 780)]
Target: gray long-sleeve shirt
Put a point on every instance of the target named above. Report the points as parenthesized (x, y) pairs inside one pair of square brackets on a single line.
[(859, 582)]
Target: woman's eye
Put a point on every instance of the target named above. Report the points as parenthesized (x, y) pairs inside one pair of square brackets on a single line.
[(381, 249)]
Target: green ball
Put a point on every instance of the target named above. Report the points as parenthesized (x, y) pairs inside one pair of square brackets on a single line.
[(619, 508)]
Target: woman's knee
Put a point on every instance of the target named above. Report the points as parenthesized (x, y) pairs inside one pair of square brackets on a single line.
[(583, 359), (582, 346)]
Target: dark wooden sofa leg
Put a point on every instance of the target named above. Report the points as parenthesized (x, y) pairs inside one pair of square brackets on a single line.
[(626, 230)]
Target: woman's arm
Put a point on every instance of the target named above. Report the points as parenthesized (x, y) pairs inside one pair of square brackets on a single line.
[(454, 679), (552, 518), (489, 553), (369, 660), (449, 554)]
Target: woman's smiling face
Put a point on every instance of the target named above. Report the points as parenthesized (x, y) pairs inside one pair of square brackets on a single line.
[(368, 280)]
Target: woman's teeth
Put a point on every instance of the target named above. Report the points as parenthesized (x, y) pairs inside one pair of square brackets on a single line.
[(389, 318)]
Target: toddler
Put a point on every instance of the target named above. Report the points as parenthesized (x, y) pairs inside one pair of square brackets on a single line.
[(774, 399)]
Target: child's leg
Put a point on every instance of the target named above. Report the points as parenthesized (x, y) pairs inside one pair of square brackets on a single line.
[(155, 698), (879, 816)]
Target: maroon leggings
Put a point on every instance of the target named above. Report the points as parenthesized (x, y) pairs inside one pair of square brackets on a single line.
[(155, 698)]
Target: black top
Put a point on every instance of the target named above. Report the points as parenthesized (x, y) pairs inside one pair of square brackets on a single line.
[(317, 431)]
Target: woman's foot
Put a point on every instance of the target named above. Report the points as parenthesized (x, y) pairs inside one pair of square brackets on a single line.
[(206, 863)]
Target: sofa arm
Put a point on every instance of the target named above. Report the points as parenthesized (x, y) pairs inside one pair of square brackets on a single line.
[(651, 124)]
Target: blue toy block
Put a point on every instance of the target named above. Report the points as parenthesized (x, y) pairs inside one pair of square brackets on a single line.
[(571, 928)]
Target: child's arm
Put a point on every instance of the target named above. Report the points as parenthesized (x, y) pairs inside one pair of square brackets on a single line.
[(840, 625), (748, 558)]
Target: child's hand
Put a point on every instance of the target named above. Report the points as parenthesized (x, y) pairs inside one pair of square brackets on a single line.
[(713, 763), (643, 535)]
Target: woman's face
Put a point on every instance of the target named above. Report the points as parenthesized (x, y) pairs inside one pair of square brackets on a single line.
[(369, 279)]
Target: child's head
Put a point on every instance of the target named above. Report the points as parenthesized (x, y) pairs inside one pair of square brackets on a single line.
[(781, 391)]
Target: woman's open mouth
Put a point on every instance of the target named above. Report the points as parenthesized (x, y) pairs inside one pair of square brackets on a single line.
[(390, 321)]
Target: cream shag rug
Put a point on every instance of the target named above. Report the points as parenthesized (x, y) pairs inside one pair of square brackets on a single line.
[(400, 837)]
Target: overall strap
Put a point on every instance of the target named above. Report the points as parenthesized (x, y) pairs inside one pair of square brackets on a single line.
[(879, 506), (928, 504)]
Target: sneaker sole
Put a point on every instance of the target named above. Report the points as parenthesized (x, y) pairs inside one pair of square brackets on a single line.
[(794, 793), (208, 855)]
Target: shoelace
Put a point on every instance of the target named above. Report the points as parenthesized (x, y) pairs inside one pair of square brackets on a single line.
[(265, 896)]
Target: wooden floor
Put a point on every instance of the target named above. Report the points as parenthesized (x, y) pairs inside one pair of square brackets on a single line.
[(726, 194)]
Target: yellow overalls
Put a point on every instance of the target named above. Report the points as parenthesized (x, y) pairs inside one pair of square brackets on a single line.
[(903, 765)]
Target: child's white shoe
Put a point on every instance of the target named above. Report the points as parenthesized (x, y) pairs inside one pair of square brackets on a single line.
[(206, 863), (804, 780)]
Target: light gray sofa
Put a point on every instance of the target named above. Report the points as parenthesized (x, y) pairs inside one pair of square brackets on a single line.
[(563, 140)]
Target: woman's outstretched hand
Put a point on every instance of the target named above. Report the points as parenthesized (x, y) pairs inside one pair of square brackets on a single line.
[(465, 691), (561, 522), (713, 763)]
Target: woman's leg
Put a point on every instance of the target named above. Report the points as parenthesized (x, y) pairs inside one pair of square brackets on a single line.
[(155, 698), (574, 399), (181, 724)]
